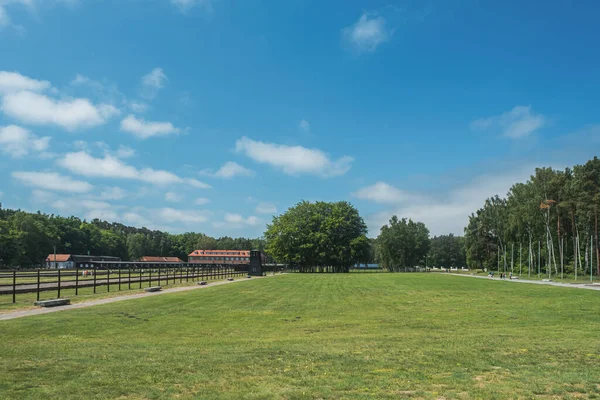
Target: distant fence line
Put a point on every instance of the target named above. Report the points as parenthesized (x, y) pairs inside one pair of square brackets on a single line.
[(115, 275)]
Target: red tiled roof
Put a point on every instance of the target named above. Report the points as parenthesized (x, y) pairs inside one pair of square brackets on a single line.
[(59, 257), (200, 253), (160, 259)]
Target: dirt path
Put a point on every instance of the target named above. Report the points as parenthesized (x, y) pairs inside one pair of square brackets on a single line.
[(39, 311), (569, 285)]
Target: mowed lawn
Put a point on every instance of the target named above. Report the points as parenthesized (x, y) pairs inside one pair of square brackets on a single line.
[(327, 336)]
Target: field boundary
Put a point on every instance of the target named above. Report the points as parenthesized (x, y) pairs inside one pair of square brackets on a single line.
[(91, 303), (558, 284)]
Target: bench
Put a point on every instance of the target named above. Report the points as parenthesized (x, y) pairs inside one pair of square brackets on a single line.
[(248, 276), (202, 283), (546, 280), (153, 289), (53, 303), (229, 279), (514, 277)]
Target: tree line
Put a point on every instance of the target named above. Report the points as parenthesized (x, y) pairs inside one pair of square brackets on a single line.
[(548, 224), (26, 239), (404, 244), (331, 237)]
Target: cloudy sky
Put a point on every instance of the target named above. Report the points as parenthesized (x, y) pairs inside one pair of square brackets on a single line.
[(215, 115)]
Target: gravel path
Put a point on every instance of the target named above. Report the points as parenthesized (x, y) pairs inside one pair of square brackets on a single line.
[(569, 285), (38, 311)]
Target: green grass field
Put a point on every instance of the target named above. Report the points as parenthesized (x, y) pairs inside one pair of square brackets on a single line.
[(328, 336)]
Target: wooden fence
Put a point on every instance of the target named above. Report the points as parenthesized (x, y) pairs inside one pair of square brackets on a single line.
[(90, 278)]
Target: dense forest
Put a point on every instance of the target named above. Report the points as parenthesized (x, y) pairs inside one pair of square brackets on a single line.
[(548, 224), (26, 239)]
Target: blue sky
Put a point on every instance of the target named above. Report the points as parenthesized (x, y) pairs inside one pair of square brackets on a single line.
[(214, 115)]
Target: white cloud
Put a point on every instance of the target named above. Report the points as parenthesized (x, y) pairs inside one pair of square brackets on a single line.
[(113, 193), (135, 219), (516, 123), (266, 208), (155, 78), (42, 196), (145, 129), (152, 82), (197, 184), (382, 193), (236, 220), (186, 5), (173, 197), (200, 201), (445, 212), (86, 208), (52, 181), (293, 160), (304, 125), (38, 109), (229, 170), (15, 82), (170, 215), (367, 33), (18, 142), (124, 152), (84, 164), (167, 219)]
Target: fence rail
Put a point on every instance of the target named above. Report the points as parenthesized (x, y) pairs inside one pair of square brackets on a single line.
[(110, 276)]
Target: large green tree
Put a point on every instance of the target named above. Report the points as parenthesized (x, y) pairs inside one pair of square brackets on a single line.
[(318, 237), (402, 244)]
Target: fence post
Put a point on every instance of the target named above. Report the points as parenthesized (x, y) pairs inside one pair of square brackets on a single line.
[(141, 276), (76, 281), (129, 279), (149, 277), (108, 279), (180, 274), (38, 285), (14, 286), (95, 271), (58, 284), (159, 276), (119, 278)]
